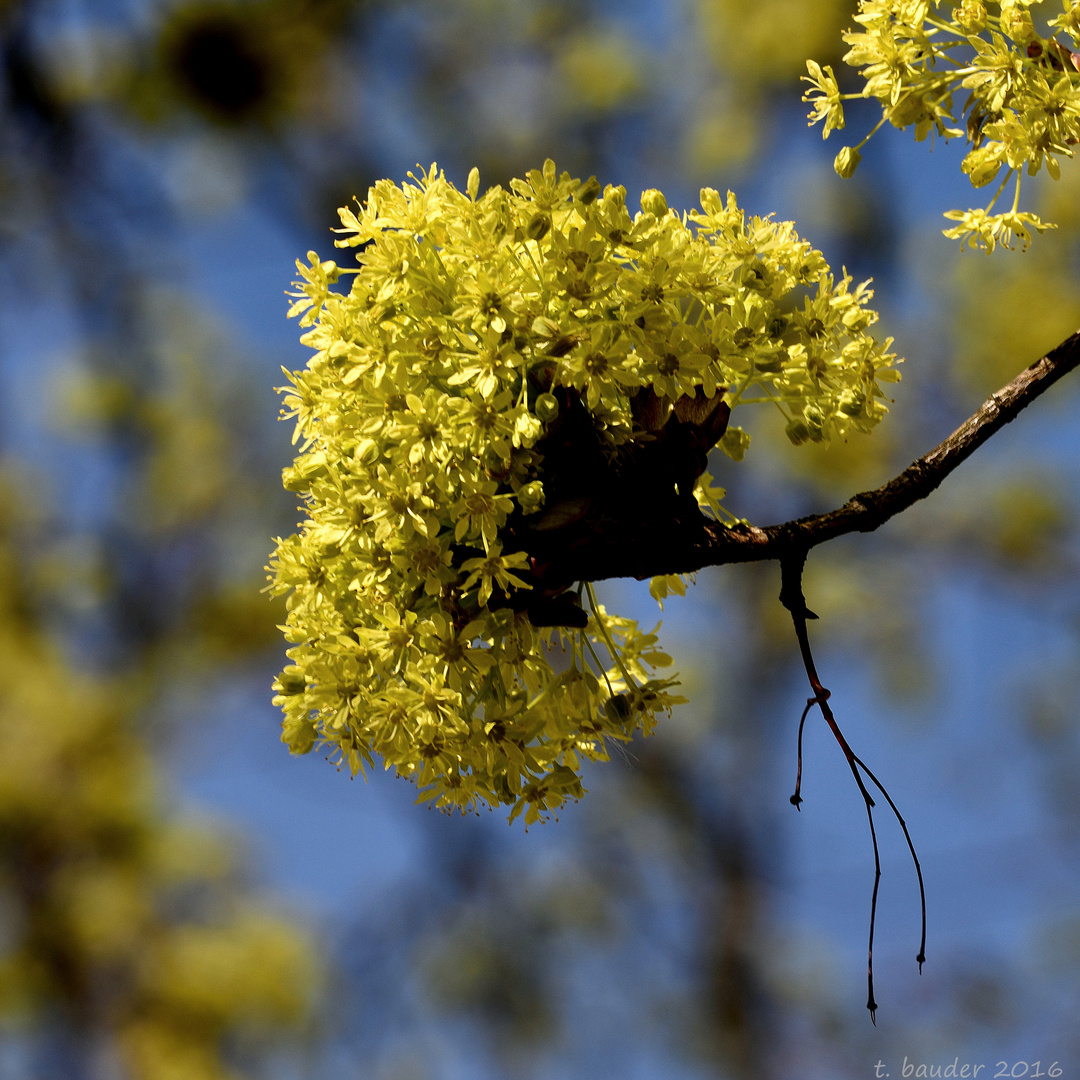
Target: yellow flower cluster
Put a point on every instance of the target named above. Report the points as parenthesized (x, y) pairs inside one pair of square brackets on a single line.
[(508, 376), (1022, 105)]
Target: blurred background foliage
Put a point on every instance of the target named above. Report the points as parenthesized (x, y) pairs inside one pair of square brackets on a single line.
[(161, 163), (131, 945)]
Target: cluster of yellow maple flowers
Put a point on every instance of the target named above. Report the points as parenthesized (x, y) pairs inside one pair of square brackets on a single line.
[(488, 349), (1021, 87)]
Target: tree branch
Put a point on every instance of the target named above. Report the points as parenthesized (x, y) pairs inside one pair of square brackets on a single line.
[(660, 547)]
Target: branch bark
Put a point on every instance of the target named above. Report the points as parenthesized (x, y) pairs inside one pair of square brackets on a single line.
[(666, 548)]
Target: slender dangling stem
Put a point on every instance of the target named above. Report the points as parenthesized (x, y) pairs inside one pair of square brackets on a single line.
[(797, 797), (791, 596)]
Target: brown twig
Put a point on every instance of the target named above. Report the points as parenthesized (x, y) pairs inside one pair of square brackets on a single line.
[(791, 596)]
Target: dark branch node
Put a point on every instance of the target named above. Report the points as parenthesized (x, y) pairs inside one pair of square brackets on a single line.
[(656, 540)]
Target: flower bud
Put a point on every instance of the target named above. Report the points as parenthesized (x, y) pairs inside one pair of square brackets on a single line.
[(615, 195), (653, 202), (847, 161), (366, 452), (527, 429), (298, 734), (1017, 23), (531, 497), (538, 227), (546, 408), (797, 431), (588, 192), (971, 15), (496, 466), (291, 681), (852, 403), (619, 709), (815, 423)]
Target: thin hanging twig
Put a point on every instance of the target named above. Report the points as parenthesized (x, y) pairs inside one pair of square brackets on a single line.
[(797, 798), (791, 596), (920, 957)]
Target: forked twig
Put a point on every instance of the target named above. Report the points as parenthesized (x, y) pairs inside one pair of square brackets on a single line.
[(791, 596)]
